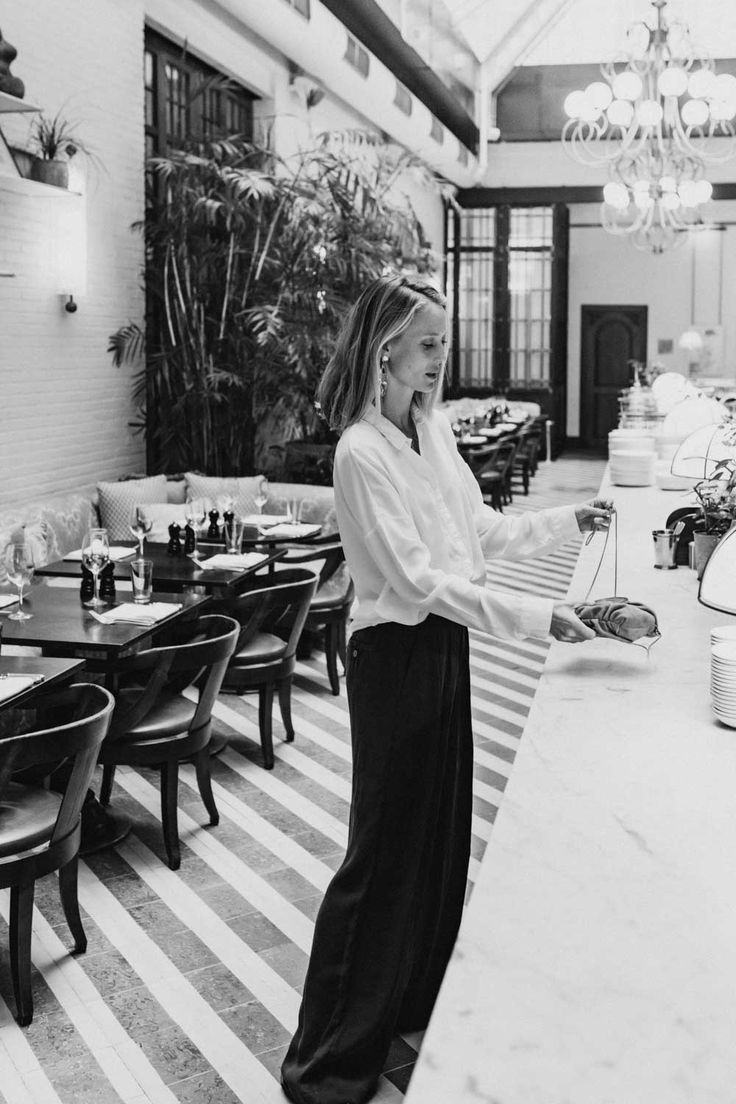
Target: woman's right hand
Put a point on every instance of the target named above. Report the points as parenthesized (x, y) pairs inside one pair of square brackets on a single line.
[(567, 626)]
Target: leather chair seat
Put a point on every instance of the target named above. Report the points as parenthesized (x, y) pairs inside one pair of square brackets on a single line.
[(27, 817), (171, 715), (263, 647), (332, 595)]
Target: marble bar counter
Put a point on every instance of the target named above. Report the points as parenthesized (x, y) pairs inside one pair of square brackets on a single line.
[(596, 963)]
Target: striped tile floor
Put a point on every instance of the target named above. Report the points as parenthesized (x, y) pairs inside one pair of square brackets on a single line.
[(189, 990)]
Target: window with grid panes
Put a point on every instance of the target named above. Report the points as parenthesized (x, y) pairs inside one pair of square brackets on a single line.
[(188, 101), (499, 275)]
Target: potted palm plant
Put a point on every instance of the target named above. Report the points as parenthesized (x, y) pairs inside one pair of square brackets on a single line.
[(252, 262)]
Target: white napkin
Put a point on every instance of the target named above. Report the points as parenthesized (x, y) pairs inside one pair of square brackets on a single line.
[(117, 552), (287, 531), (139, 614), (10, 685), (8, 600), (264, 519), (232, 561)]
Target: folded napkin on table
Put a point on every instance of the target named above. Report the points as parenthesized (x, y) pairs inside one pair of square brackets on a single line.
[(117, 552), (8, 600), (139, 614), (287, 531), (264, 519), (10, 685), (232, 561)]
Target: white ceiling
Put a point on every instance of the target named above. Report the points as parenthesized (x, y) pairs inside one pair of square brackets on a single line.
[(495, 36)]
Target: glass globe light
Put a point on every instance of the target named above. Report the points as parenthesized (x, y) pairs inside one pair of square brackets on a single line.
[(688, 193), (725, 87), (670, 201), (620, 113), (705, 190), (672, 81), (589, 112), (643, 200), (668, 184), (694, 113), (649, 113), (627, 86), (616, 195), (575, 104), (599, 94), (722, 110), (701, 84)]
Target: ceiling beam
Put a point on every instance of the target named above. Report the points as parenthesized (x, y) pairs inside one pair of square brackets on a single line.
[(532, 24), (367, 21)]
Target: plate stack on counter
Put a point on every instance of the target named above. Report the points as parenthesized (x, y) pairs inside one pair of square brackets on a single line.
[(723, 673), (632, 457)]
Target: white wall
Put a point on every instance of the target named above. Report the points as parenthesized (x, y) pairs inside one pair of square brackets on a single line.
[(63, 407)]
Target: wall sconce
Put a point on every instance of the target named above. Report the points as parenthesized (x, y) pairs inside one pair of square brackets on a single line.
[(69, 306)]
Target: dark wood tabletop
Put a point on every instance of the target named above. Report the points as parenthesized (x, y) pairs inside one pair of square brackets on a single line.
[(62, 626), (54, 672), (174, 573)]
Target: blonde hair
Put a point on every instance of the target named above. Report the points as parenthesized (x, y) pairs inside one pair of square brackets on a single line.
[(351, 379)]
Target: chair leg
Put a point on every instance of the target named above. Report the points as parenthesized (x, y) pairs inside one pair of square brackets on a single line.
[(70, 903), (265, 708), (108, 777), (21, 913), (204, 781), (169, 811), (285, 707), (331, 657), (342, 644)]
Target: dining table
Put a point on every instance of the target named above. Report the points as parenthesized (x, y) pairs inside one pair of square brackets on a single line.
[(45, 673), (181, 572)]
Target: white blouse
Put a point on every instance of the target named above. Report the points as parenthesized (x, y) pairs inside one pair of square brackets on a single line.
[(416, 532)]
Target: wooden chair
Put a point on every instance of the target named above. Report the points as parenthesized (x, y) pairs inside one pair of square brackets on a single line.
[(492, 465), (528, 443), (329, 609), (155, 725), (271, 614), (40, 829)]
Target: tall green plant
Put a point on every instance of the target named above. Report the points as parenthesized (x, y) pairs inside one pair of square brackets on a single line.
[(252, 262)]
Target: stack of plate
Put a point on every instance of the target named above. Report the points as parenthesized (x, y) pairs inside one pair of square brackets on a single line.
[(630, 440), (632, 469), (723, 680)]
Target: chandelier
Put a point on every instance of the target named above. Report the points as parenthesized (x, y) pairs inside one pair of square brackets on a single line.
[(657, 119)]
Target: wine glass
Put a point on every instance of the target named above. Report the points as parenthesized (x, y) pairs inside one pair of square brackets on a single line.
[(140, 527), (19, 564), (261, 496), (95, 554), (195, 514)]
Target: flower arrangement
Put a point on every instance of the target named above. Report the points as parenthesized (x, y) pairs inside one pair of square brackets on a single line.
[(717, 498)]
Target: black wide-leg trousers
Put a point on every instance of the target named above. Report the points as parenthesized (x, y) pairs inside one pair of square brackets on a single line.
[(388, 922)]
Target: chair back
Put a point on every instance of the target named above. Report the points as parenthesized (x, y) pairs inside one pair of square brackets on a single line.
[(497, 457), (85, 711), (197, 654), (277, 604)]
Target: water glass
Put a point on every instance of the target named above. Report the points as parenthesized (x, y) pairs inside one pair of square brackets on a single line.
[(141, 576), (295, 511), (233, 530)]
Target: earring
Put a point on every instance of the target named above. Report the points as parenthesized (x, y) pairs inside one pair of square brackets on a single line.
[(383, 384)]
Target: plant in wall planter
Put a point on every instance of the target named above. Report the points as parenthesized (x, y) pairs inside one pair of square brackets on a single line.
[(53, 142)]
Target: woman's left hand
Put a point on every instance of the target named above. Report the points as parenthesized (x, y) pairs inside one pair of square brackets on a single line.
[(595, 515)]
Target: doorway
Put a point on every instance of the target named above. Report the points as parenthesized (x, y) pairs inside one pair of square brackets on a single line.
[(610, 336)]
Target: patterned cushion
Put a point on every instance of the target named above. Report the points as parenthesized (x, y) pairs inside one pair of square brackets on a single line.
[(221, 491), (118, 499)]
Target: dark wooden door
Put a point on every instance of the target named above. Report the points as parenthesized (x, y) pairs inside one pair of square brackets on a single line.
[(610, 337)]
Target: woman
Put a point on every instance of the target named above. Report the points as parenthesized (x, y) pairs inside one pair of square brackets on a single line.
[(416, 534)]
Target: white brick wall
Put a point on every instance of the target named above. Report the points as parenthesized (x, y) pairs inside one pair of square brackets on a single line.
[(63, 408)]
